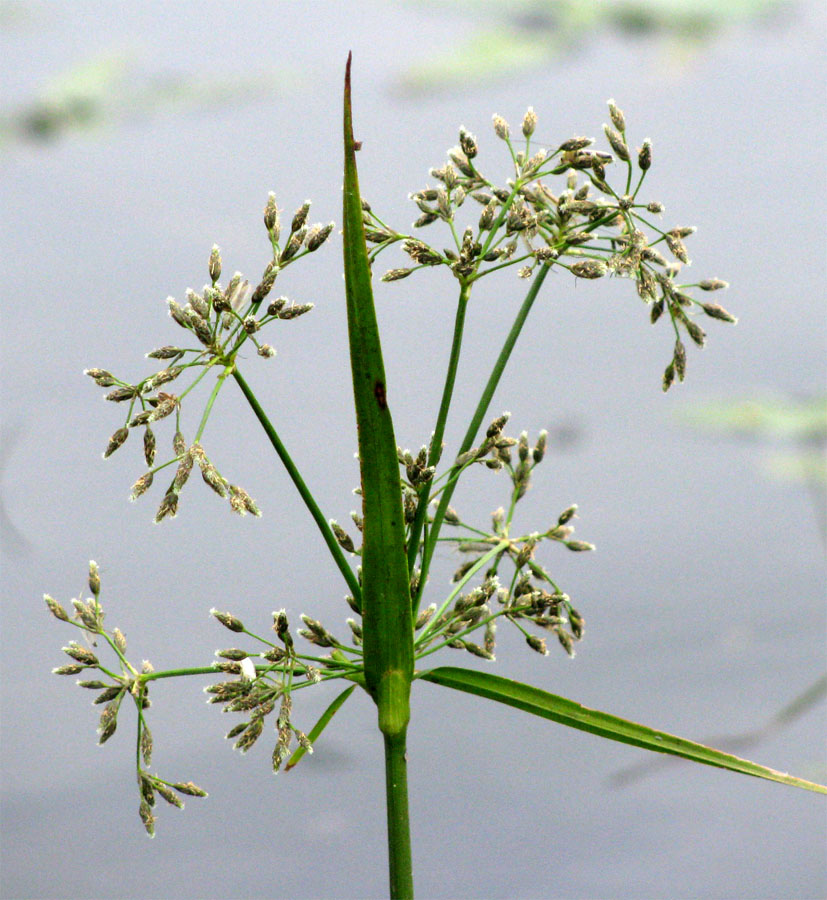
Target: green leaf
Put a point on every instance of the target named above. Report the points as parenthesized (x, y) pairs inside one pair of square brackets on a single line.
[(320, 726), (567, 712), (386, 602)]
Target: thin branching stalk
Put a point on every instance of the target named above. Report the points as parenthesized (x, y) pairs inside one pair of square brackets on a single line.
[(442, 418), (301, 487), (476, 421)]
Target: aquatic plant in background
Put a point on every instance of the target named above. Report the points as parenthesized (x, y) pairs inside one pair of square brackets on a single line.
[(500, 39), (111, 89), (577, 222), (799, 422)]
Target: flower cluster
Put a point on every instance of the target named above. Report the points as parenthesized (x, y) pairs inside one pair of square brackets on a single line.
[(585, 225), (264, 679), (113, 686), (261, 686), (219, 321), (532, 596), (526, 598)]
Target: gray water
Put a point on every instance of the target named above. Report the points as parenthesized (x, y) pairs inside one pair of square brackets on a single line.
[(704, 602)]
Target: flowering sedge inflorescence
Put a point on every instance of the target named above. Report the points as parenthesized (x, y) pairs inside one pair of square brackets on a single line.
[(218, 321), (530, 595), (584, 225), (113, 685), (260, 687), (264, 678)]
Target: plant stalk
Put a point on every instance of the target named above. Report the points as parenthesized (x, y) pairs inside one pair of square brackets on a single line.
[(476, 421), (386, 596), (301, 487), (442, 417), (399, 832)]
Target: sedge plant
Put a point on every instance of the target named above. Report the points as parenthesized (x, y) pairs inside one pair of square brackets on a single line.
[(573, 208)]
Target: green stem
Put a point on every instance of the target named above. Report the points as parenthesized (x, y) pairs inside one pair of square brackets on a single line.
[(212, 670), (139, 730), (301, 487), (429, 630), (476, 421), (511, 262), (439, 429), (386, 596), (208, 408), (206, 369), (177, 673), (399, 833)]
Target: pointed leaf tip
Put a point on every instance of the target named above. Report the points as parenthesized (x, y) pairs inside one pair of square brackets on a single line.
[(388, 632), (348, 122), (567, 712)]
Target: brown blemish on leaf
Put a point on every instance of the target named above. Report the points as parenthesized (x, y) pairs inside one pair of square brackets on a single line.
[(379, 393)]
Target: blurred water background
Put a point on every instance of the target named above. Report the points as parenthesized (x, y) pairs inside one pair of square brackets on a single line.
[(136, 135)]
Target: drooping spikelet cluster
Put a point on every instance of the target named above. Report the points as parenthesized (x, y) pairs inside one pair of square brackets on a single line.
[(260, 687), (529, 595), (113, 687), (584, 225), (219, 320)]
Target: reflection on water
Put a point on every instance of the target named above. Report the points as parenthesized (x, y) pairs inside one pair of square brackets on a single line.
[(743, 741)]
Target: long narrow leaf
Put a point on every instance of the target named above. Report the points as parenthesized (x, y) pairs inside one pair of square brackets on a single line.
[(567, 712), (320, 726), (386, 605)]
